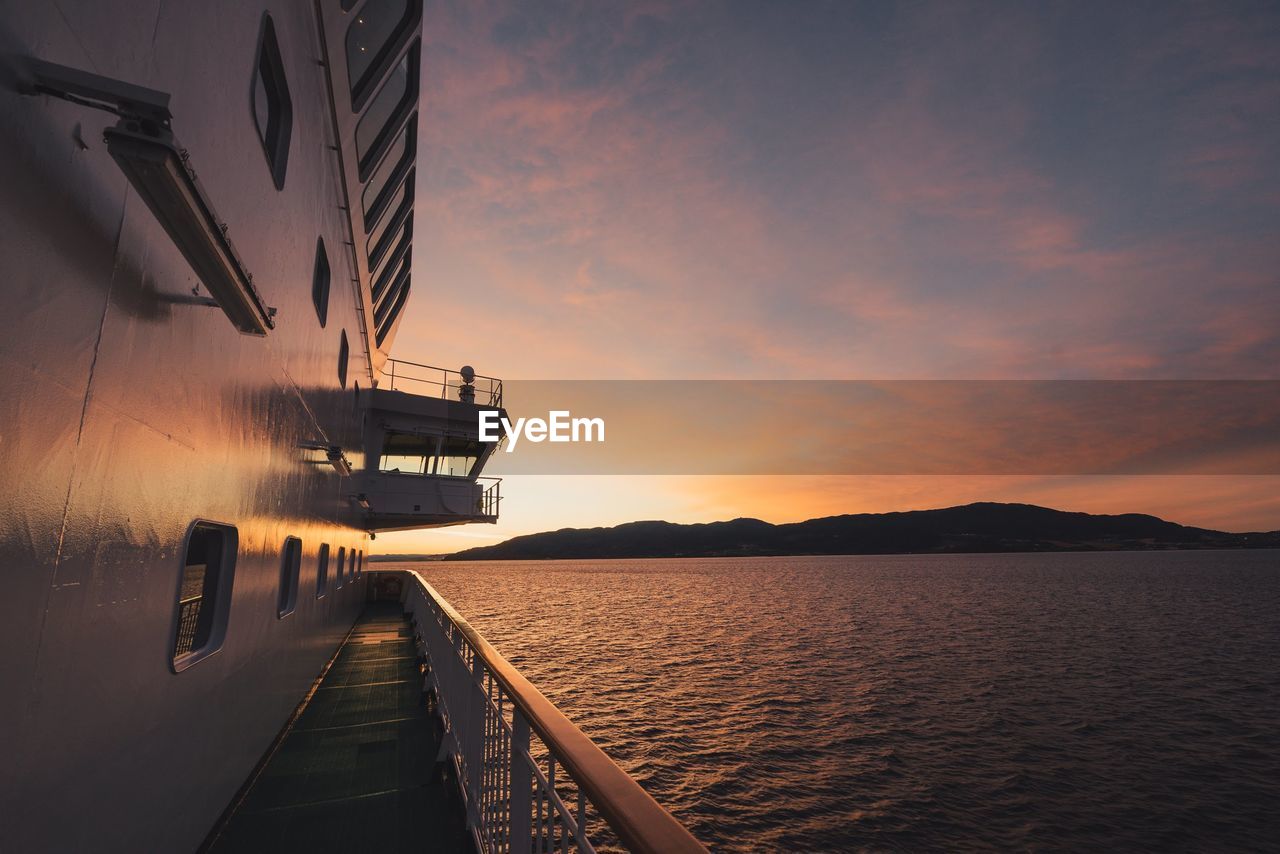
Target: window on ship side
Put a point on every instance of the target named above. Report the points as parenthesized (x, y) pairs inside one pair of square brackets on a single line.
[(320, 278), (272, 105), (344, 356), (204, 592), (322, 571), (290, 569)]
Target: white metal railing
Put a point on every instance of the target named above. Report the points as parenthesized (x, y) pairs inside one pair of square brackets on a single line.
[(491, 497), (531, 780), (415, 378)]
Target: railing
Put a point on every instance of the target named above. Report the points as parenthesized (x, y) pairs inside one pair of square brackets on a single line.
[(491, 497), (188, 622), (531, 780), (413, 377)]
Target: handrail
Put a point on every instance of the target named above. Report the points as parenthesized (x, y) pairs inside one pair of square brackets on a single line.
[(632, 814), (484, 388), (490, 495)]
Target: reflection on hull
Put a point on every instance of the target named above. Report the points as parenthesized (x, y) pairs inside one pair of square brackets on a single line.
[(179, 564)]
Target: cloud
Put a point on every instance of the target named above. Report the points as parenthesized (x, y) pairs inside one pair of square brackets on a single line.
[(755, 190)]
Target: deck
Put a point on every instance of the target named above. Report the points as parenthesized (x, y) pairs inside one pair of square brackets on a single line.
[(357, 769)]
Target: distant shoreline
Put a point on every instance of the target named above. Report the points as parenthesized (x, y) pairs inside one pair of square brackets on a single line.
[(981, 528), (448, 558)]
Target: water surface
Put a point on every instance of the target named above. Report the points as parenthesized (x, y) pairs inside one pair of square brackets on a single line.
[(1059, 701)]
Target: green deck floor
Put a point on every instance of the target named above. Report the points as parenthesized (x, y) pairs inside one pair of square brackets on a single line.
[(357, 771)]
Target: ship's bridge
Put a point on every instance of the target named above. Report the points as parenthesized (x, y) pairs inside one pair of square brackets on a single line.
[(423, 454)]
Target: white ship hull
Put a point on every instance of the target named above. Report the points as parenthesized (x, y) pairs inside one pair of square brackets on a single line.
[(130, 410)]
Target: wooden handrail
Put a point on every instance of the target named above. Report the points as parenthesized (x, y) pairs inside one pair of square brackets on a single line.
[(640, 822)]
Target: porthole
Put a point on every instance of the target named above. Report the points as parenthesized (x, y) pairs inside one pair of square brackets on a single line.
[(272, 106), (290, 568), (322, 571), (204, 592), (320, 278), (344, 356)]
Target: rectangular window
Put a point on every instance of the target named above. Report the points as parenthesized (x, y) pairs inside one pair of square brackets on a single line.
[(390, 172), (409, 453), (322, 571), (396, 266), (388, 295), (204, 592), (443, 456), (387, 113), (388, 322), (385, 233), (290, 568), (373, 38), (342, 565)]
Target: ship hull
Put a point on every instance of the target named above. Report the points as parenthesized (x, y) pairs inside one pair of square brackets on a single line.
[(132, 409)]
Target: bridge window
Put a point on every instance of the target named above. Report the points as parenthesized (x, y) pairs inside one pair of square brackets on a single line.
[(372, 41), (290, 569), (272, 106), (444, 456), (459, 457), (322, 571), (320, 278), (204, 592)]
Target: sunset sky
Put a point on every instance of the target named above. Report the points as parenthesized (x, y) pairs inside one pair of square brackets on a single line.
[(848, 190)]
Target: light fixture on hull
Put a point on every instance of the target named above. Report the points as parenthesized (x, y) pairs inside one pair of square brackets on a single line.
[(159, 171), (143, 144), (333, 454)]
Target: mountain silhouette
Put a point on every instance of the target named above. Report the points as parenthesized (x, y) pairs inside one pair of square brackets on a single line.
[(971, 528)]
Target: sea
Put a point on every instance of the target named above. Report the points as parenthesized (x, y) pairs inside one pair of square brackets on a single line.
[(1105, 701)]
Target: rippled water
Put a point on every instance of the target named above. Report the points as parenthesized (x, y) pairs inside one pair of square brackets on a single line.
[(960, 702)]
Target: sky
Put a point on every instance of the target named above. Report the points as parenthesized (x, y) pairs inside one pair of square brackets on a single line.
[(848, 191)]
